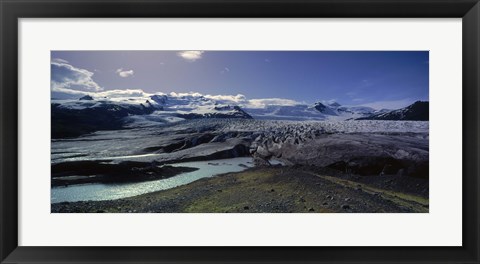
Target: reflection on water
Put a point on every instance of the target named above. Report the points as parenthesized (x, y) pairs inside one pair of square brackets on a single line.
[(99, 191)]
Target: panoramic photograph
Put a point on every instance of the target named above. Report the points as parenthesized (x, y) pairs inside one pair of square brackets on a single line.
[(192, 131)]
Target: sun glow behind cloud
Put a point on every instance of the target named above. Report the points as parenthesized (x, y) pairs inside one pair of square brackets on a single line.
[(191, 55)]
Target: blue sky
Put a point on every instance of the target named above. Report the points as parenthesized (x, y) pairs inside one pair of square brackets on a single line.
[(381, 79)]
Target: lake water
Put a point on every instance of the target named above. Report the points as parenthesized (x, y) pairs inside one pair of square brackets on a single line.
[(97, 192)]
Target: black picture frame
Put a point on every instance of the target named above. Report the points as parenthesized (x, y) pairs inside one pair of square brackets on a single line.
[(12, 10)]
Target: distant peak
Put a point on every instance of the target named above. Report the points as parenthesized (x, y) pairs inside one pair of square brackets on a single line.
[(334, 104), (320, 106), (420, 102), (329, 103), (86, 97), (159, 99)]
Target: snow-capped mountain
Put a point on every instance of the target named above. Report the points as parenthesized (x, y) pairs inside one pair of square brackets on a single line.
[(318, 111), (181, 106), (74, 117), (146, 108), (417, 111), (346, 112), (324, 109), (134, 108)]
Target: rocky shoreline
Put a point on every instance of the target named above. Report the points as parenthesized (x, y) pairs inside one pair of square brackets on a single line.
[(84, 172)]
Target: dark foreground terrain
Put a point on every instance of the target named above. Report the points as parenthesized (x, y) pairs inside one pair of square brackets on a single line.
[(275, 189), (350, 166)]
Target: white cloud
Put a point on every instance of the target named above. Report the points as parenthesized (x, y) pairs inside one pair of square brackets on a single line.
[(58, 60), (191, 55), (66, 76), (70, 91), (190, 94), (123, 93), (328, 102), (124, 73), (108, 94), (239, 98), (261, 103)]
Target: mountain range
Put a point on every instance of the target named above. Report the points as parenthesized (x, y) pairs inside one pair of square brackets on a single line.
[(73, 117), (417, 111)]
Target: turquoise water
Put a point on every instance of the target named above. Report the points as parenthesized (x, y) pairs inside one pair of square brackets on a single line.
[(98, 192)]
